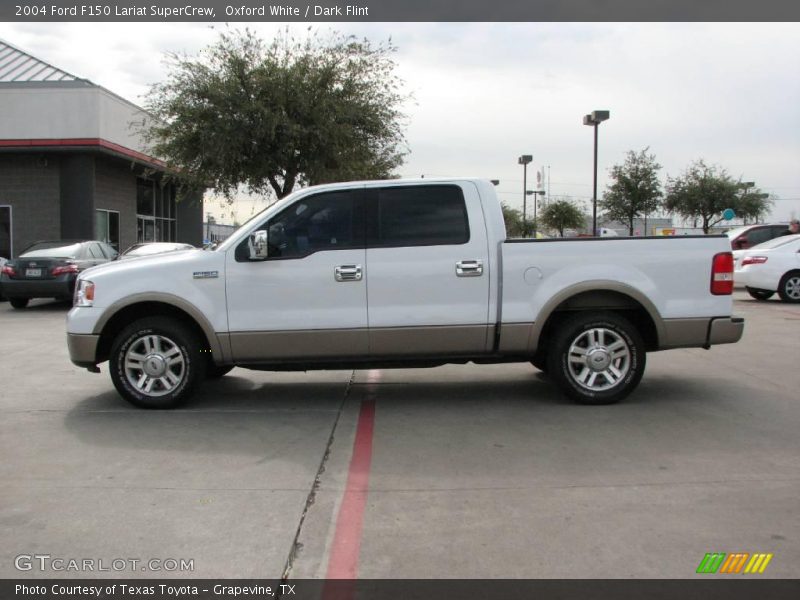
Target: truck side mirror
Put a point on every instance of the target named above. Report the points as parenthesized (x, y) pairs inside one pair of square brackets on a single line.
[(259, 250)]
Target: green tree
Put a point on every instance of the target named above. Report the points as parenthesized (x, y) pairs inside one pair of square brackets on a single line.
[(635, 190), (271, 116), (516, 226), (703, 193), (753, 205), (513, 220), (562, 214)]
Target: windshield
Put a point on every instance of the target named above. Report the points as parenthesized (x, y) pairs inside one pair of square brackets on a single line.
[(228, 242), (52, 249), (732, 233)]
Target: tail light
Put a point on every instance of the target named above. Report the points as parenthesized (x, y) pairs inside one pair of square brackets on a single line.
[(754, 260), (722, 274), (64, 269), (9, 271)]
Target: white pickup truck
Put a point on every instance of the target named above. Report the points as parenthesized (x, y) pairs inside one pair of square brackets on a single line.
[(400, 274)]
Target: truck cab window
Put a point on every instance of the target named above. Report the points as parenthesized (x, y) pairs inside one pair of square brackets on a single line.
[(323, 222), (422, 216)]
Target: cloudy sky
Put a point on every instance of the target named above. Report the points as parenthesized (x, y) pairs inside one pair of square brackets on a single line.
[(486, 93)]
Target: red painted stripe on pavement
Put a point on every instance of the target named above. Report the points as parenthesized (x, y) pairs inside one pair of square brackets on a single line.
[(346, 546)]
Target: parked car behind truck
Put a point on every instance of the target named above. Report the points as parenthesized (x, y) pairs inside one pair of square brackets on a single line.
[(49, 269), (771, 267), (748, 236), (395, 274)]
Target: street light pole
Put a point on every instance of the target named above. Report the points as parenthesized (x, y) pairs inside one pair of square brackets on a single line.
[(525, 160), (535, 193), (594, 119), (744, 185)]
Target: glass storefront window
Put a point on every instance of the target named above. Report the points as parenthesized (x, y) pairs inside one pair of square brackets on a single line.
[(106, 227), (155, 208)]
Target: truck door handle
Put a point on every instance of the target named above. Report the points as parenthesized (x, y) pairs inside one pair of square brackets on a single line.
[(469, 268), (347, 273)]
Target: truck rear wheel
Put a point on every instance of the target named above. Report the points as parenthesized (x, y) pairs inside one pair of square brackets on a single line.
[(597, 358), (155, 362)]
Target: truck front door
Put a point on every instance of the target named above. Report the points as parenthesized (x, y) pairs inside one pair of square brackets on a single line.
[(308, 299)]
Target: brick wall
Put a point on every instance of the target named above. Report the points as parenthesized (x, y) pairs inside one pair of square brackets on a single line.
[(29, 183)]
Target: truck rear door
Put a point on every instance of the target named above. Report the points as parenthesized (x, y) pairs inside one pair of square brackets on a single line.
[(428, 270)]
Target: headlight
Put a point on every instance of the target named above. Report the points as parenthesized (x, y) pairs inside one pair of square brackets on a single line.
[(84, 293)]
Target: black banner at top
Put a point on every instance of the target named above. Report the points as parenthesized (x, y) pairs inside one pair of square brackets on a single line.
[(398, 10)]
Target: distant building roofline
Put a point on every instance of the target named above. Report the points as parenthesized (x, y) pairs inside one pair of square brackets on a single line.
[(18, 66)]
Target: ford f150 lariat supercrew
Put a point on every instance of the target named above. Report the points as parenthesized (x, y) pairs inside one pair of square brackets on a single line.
[(400, 274)]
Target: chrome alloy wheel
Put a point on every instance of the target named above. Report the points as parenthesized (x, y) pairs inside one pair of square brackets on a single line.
[(792, 287), (598, 359), (154, 365)]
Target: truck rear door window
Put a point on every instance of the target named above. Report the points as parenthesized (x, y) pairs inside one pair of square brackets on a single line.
[(421, 216)]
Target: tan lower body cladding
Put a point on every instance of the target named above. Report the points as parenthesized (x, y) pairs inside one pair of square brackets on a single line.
[(257, 346)]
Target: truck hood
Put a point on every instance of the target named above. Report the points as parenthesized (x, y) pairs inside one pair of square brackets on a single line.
[(183, 261)]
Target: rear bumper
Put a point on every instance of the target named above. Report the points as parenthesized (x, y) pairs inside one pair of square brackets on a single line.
[(701, 332), (725, 331), (83, 349), (47, 288)]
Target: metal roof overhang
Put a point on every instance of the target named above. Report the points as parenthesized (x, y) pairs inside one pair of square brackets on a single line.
[(98, 145)]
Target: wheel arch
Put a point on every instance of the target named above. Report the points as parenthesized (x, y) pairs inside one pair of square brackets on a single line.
[(596, 296), (119, 315)]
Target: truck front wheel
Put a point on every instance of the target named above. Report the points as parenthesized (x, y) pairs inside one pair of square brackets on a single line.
[(155, 362), (597, 358)]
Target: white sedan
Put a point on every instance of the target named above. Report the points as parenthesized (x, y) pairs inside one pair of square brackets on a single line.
[(773, 266)]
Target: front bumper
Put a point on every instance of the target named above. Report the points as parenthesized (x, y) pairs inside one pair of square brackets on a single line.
[(83, 349)]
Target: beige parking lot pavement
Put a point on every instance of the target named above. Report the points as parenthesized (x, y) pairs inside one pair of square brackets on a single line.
[(474, 471)]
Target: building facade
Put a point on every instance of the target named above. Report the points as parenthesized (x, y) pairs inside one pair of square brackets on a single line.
[(73, 164)]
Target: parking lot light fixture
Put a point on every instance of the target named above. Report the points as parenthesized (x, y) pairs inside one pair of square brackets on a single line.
[(593, 120), (525, 160)]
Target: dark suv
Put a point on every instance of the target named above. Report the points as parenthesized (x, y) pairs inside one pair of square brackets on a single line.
[(49, 269), (751, 235)]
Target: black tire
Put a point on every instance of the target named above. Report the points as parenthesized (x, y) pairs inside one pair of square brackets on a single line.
[(760, 294), (789, 287), (19, 302), (539, 360), (170, 367), (617, 356), (217, 371)]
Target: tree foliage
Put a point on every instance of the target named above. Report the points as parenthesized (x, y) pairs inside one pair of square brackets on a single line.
[(515, 225), (635, 190), (703, 193), (562, 214), (271, 116), (753, 205)]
